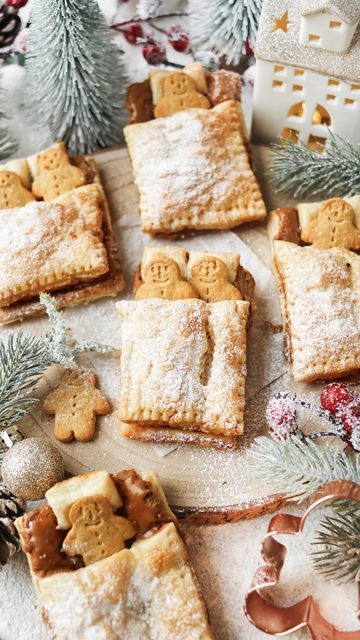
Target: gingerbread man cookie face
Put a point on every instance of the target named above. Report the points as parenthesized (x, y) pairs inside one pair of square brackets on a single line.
[(138, 102), (163, 280), (56, 175), (96, 532), (75, 404), (334, 226), (210, 277), (179, 93), (12, 191)]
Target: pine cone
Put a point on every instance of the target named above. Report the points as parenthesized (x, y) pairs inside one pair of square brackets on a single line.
[(11, 508), (10, 25)]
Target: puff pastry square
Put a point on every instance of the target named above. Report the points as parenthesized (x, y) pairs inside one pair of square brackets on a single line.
[(320, 296), (183, 367), (45, 246), (145, 591), (192, 171)]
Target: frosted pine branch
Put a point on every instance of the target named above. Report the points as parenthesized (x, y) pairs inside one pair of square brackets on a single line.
[(302, 172), (8, 145), (60, 345), (75, 81), (23, 359), (337, 543), (297, 468), (224, 26)]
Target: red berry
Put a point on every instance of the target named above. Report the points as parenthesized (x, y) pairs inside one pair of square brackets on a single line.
[(248, 47), (334, 396), (154, 52), (281, 417), (178, 38), (133, 32), (16, 4)]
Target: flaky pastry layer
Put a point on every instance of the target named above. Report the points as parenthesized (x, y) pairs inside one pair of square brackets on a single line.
[(183, 364), (45, 246), (320, 291), (192, 171)]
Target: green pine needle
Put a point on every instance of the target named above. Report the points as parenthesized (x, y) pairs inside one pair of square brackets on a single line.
[(304, 173), (297, 468), (338, 543)]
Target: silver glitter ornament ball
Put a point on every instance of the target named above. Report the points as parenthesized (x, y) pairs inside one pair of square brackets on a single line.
[(31, 467)]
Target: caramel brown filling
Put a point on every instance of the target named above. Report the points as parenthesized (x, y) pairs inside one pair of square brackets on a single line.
[(288, 225), (42, 541), (142, 506)]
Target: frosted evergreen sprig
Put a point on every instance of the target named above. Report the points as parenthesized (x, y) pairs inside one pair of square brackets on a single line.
[(224, 26), (297, 468), (24, 359), (302, 172), (8, 145), (60, 345), (337, 543)]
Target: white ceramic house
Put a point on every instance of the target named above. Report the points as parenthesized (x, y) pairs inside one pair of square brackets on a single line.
[(308, 71)]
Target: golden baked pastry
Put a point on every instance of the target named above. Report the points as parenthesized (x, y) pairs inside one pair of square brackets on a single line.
[(320, 296), (83, 290), (192, 171), (46, 246), (123, 595)]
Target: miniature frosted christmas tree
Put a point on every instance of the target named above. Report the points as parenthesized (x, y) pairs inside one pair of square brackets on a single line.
[(74, 75), (227, 27), (7, 143)]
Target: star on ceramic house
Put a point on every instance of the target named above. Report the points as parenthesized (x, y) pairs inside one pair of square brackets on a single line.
[(282, 23)]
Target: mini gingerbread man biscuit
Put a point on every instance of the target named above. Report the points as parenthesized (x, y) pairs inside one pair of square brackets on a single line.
[(179, 93), (138, 102), (56, 174), (163, 280), (75, 404), (210, 277), (96, 532), (12, 191), (334, 226)]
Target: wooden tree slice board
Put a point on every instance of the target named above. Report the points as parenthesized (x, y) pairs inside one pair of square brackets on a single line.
[(207, 485)]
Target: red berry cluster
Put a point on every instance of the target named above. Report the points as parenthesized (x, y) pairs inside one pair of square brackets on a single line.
[(344, 406), (16, 4), (154, 51), (281, 417)]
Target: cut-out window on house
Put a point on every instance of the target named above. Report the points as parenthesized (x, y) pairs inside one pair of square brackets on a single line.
[(330, 97), (297, 110), (335, 24), (313, 37), (317, 143), (291, 134), (321, 116), (277, 84), (355, 87), (299, 72), (349, 102), (297, 88), (279, 68), (333, 83)]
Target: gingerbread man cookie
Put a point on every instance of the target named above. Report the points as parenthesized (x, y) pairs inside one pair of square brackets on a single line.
[(334, 226), (163, 280), (210, 277), (138, 102), (96, 532), (179, 93), (12, 191), (75, 404), (56, 174)]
